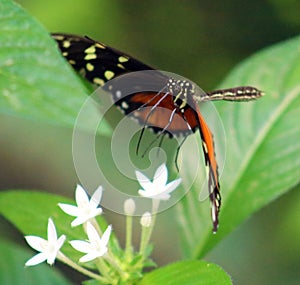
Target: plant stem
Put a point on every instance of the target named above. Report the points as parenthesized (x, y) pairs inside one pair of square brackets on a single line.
[(80, 269), (128, 245), (147, 231)]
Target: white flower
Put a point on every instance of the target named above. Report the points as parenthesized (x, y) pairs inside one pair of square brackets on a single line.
[(158, 189), (86, 209), (95, 247), (48, 249)]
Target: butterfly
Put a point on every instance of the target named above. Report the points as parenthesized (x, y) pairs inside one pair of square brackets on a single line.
[(171, 102)]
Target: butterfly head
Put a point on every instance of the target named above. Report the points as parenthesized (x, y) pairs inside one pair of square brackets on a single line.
[(182, 91)]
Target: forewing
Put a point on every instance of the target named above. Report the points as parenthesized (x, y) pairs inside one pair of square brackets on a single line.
[(96, 61)]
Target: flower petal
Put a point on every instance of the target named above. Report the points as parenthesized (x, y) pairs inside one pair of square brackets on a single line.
[(78, 221), (89, 257), (69, 209), (170, 187), (60, 241), (81, 197), (51, 258), (102, 251), (39, 258), (160, 176), (51, 231), (82, 246), (145, 194), (95, 212), (106, 236), (36, 242), (92, 233), (143, 180), (96, 197)]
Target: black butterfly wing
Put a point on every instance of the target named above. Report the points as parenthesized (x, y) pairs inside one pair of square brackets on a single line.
[(95, 61), (99, 63)]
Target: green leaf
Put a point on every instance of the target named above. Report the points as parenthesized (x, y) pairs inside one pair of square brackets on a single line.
[(35, 81), (188, 273), (262, 146), (29, 212), (12, 270)]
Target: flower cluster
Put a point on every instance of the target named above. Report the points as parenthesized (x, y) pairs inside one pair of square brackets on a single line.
[(85, 211), (97, 248)]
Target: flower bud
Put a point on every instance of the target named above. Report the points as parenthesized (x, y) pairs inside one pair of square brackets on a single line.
[(129, 207), (146, 220)]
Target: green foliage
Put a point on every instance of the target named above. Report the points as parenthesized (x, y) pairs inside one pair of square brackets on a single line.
[(29, 212), (12, 261), (188, 273), (262, 145), (35, 82), (262, 140)]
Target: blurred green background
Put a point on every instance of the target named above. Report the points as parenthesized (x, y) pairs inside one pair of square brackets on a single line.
[(201, 40)]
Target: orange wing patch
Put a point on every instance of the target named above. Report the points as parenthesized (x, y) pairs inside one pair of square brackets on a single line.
[(160, 112), (213, 176)]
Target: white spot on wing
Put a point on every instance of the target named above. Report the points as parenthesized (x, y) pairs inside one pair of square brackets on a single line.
[(118, 94), (124, 105)]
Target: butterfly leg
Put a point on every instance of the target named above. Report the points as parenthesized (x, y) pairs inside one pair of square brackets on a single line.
[(147, 118), (161, 133)]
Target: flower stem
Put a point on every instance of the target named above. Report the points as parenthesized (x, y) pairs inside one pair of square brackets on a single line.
[(110, 259), (155, 205), (96, 226), (128, 245), (80, 269), (103, 267), (147, 231)]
